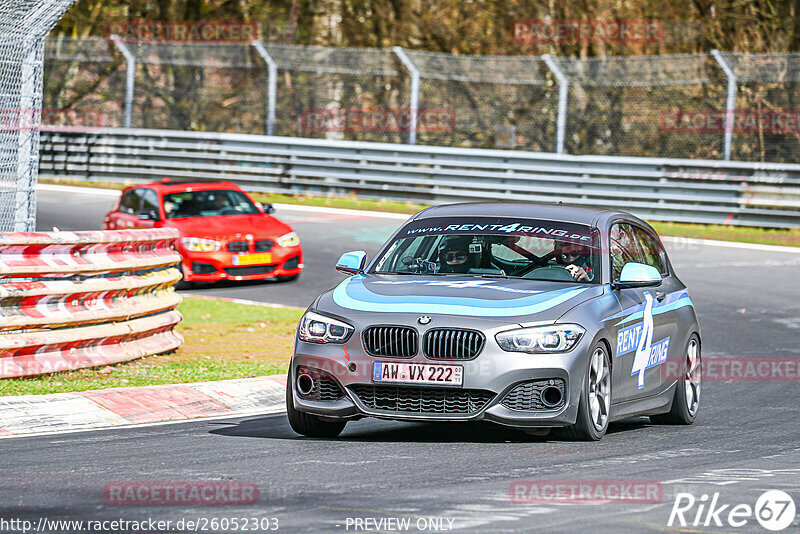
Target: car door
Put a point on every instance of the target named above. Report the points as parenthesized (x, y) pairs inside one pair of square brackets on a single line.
[(125, 215), (639, 331), (666, 313), (148, 213)]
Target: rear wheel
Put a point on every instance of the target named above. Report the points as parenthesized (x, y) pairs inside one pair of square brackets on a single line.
[(306, 423), (686, 402), (594, 405)]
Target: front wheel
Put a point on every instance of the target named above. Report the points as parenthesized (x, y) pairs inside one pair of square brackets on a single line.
[(594, 405), (686, 402), (306, 423)]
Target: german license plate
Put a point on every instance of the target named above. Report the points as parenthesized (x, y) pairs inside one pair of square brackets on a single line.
[(415, 373), (252, 259)]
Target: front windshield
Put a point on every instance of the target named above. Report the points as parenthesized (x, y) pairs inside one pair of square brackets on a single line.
[(495, 246), (208, 204)]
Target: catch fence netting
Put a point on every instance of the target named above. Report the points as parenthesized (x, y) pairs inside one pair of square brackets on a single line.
[(660, 106)]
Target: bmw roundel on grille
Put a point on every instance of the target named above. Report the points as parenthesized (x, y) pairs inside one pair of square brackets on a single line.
[(425, 319)]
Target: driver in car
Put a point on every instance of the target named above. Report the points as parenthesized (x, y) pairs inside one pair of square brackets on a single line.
[(575, 259), (219, 202), (454, 255)]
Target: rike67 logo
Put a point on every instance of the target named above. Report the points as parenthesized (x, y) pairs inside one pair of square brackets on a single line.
[(774, 510)]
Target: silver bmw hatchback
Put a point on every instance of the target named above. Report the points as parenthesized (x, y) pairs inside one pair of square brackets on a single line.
[(535, 316)]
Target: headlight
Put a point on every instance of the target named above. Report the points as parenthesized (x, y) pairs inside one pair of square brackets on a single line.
[(289, 240), (541, 339), (198, 244), (317, 328)]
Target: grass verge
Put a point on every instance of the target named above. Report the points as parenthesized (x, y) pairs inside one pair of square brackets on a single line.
[(742, 234), (223, 340)]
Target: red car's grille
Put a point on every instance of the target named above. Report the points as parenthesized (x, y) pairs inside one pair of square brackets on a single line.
[(238, 246)]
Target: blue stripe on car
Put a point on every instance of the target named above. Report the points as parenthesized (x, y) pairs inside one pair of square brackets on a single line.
[(352, 294), (674, 300)]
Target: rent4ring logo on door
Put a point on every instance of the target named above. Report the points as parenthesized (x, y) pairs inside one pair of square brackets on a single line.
[(639, 337)]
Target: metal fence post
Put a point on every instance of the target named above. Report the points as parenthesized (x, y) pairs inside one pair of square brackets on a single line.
[(27, 140), (413, 103), (272, 84), (563, 94), (130, 75), (730, 104)]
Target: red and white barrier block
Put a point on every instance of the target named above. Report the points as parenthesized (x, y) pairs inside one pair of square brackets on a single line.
[(70, 300)]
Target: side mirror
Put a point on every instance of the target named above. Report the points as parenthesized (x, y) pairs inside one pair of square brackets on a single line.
[(266, 208), (351, 263), (638, 275), (149, 215)]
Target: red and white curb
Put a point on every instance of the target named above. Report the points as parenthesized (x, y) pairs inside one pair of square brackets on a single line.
[(118, 407)]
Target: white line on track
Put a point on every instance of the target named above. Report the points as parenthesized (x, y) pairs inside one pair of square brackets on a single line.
[(247, 413), (401, 216), (241, 301), (78, 190)]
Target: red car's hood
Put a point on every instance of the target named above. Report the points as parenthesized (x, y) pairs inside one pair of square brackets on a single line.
[(228, 227)]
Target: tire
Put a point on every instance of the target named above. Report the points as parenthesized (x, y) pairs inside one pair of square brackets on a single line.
[(594, 405), (308, 424), (686, 402)]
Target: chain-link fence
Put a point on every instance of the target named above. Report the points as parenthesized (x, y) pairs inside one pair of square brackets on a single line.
[(83, 81), (712, 106), (619, 106), (23, 28), (768, 89)]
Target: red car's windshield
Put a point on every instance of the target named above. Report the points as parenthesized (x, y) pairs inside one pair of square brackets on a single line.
[(208, 204)]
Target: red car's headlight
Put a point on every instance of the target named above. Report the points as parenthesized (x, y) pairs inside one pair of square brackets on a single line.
[(289, 240), (198, 244)]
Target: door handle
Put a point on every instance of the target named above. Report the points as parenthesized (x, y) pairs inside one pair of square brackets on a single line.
[(660, 295)]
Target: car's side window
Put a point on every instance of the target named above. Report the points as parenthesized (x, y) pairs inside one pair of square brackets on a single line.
[(624, 248), (652, 249), (130, 202), (149, 201)]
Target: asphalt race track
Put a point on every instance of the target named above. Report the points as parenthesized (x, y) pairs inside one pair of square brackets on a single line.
[(746, 439)]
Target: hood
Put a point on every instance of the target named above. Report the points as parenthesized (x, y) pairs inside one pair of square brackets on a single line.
[(227, 227), (495, 300)]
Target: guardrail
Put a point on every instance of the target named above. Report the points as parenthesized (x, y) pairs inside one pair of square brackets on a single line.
[(70, 300), (680, 190)]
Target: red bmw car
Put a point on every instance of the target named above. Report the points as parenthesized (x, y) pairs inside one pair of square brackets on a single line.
[(225, 235)]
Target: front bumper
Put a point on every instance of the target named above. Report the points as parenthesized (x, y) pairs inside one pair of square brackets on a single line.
[(494, 371), (221, 265)]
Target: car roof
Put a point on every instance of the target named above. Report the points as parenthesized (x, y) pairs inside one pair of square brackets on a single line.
[(528, 210), (176, 186)]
